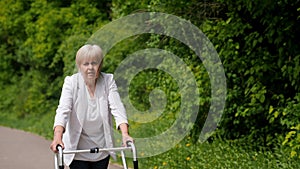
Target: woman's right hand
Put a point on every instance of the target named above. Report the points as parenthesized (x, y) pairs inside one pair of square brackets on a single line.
[(55, 143), (57, 139)]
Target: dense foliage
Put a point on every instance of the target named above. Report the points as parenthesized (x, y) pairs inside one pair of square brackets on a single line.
[(257, 41)]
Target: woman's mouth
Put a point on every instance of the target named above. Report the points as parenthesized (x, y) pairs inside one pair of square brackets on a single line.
[(91, 74)]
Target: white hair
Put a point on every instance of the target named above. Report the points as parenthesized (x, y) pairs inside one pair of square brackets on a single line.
[(89, 51)]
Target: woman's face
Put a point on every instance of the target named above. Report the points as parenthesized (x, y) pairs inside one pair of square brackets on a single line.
[(89, 69)]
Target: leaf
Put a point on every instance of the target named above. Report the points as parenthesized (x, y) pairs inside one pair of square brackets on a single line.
[(271, 109)]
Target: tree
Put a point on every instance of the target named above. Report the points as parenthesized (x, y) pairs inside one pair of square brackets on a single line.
[(256, 41)]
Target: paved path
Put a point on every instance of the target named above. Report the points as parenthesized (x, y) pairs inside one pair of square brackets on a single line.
[(23, 150)]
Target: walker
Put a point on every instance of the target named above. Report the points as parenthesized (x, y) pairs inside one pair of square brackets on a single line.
[(59, 157)]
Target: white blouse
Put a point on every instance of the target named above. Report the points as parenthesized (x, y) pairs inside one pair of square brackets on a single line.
[(92, 133)]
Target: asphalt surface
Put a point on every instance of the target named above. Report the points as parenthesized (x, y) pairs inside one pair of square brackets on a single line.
[(23, 150)]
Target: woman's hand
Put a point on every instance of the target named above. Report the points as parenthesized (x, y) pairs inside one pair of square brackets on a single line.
[(125, 136), (54, 145), (57, 139), (125, 139)]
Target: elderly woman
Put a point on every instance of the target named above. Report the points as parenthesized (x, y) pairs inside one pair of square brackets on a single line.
[(88, 100)]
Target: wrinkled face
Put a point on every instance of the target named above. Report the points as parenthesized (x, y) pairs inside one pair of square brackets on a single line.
[(89, 69)]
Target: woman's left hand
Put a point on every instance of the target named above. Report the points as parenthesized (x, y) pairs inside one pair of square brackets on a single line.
[(125, 136), (125, 139)]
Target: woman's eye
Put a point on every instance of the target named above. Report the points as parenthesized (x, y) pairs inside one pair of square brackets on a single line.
[(92, 63)]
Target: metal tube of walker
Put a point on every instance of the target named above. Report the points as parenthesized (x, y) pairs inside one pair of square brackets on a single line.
[(134, 154), (60, 157)]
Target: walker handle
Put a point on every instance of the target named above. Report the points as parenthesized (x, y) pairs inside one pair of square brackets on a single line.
[(128, 143), (60, 156), (135, 161)]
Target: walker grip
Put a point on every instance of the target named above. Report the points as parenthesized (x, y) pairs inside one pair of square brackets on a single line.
[(128, 143), (60, 160)]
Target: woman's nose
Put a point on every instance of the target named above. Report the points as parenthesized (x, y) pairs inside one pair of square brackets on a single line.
[(90, 66)]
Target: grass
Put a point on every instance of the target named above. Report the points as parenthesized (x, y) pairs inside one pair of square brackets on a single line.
[(219, 155)]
